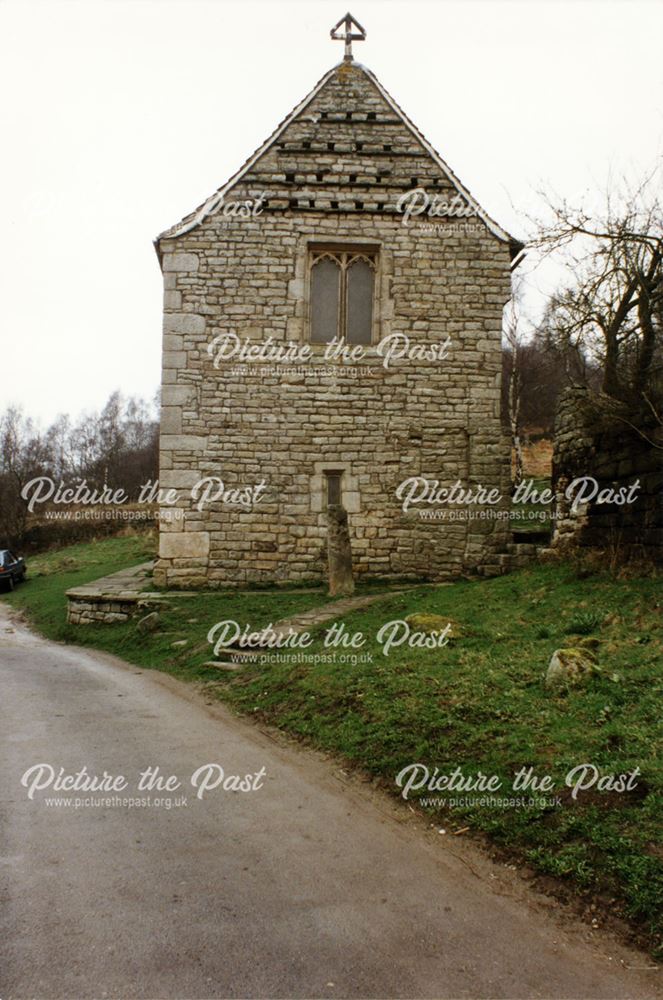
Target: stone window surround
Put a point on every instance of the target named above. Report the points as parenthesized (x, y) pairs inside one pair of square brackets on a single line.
[(298, 330), (349, 486), (334, 249), (333, 476)]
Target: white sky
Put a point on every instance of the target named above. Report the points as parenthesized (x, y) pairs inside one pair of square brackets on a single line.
[(118, 118)]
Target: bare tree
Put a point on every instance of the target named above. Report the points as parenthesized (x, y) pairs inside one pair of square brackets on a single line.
[(58, 444), (514, 338), (23, 455), (118, 447), (612, 309)]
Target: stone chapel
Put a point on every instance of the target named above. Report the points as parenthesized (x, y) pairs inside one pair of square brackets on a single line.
[(332, 331)]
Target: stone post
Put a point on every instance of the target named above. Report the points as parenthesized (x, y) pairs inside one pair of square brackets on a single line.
[(339, 553)]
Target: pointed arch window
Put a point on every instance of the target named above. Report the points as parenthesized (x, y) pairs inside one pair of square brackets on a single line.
[(342, 295)]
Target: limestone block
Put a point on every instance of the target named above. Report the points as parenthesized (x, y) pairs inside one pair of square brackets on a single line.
[(178, 395), (174, 361), (180, 262), (172, 342), (171, 420), (179, 479), (183, 442), (351, 501), (182, 544), (185, 323)]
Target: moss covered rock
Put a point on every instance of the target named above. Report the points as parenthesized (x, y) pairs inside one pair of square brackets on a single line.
[(433, 624), (571, 666)]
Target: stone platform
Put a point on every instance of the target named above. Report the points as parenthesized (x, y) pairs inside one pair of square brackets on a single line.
[(114, 598)]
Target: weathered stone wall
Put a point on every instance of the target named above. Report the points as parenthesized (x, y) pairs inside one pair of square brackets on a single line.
[(334, 176), (592, 439), (105, 612)]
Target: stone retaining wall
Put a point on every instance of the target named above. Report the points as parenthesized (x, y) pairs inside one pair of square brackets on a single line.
[(592, 439), (106, 610)]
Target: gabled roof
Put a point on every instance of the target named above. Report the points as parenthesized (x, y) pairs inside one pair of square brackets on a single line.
[(194, 219)]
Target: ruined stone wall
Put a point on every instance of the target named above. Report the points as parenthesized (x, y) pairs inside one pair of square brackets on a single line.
[(334, 176), (592, 440)]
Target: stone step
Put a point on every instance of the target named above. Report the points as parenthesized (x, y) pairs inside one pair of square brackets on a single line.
[(239, 653), (493, 570), (224, 665)]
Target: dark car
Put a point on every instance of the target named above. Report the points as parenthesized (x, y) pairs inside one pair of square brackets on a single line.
[(12, 569)]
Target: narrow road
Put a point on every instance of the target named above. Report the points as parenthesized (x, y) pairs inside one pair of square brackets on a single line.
[(303, 887)]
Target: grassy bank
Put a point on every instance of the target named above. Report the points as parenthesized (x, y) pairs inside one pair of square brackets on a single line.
[(478, 704), (42, 598)]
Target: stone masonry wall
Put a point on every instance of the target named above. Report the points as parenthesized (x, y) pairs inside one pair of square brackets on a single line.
[(592, 440), (108, 612), (333, 177)]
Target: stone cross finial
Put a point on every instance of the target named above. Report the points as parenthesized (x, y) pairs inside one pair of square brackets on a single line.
[(348, 36)]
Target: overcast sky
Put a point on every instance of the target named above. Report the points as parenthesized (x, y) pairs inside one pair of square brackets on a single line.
[(118, 118)]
